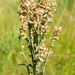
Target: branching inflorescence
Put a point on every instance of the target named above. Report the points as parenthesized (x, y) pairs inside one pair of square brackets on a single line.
[(35, 18)]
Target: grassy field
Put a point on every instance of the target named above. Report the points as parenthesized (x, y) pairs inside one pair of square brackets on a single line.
[(61, 62)]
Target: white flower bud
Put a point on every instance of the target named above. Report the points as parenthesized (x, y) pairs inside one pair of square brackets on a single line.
[(50, 52), (21, 53), (23, 46)]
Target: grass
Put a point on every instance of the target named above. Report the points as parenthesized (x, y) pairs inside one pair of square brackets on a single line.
[(61, 62)]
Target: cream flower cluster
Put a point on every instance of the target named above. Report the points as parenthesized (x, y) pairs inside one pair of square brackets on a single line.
[(56, 32), (36, 16)]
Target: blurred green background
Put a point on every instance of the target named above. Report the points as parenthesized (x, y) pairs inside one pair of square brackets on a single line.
[(61, 62)]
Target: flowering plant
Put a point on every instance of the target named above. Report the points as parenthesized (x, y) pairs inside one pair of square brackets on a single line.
[(35, 18)]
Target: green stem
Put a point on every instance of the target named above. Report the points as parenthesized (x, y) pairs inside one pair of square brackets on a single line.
[(47, 58), (28, 70), (35, 61)]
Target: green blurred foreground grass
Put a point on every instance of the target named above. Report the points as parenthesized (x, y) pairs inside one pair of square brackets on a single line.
[(61, 62)]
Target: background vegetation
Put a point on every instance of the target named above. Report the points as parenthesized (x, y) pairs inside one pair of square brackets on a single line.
[(61, 62)]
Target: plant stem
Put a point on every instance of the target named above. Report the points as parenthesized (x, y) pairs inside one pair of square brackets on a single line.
[(47, 58), (24, 53), (25, 58), (28, 70)]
